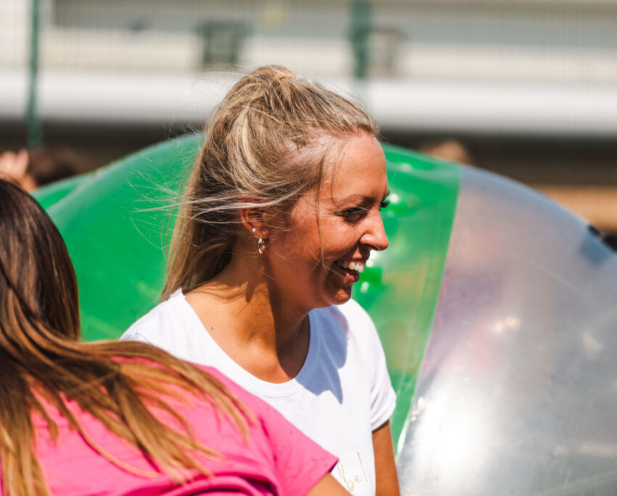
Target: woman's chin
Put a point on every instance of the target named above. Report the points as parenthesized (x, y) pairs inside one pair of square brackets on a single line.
[(335, 294), (342, 296)]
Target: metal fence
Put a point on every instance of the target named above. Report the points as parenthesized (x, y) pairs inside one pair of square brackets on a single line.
[(443, 52)]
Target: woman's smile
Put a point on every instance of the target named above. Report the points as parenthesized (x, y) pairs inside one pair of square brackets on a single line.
[(349, 270)]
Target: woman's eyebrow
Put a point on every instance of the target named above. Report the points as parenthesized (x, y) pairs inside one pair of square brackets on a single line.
[(356, 199)]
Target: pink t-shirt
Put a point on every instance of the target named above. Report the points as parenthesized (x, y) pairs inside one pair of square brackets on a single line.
[(277, 459)]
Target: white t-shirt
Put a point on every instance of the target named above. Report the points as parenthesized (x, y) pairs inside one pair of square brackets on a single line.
[(341, 394)]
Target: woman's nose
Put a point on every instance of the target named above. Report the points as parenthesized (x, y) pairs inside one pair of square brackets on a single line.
[(375, 235)]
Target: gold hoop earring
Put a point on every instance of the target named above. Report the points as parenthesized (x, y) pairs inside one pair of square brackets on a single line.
[(261, 246)]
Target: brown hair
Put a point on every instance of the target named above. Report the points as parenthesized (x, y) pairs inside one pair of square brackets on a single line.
[(41, 361), (49, 164), (264, 147)]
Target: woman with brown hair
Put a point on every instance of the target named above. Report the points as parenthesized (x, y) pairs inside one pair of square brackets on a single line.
[(113, 418), (279, 217)]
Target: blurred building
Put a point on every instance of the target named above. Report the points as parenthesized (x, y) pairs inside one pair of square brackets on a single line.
[(529, 86)]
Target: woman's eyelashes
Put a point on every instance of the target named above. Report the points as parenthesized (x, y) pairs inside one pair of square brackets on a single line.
[(355, 214)]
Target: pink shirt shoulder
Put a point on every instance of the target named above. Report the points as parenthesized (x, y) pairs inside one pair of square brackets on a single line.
[(277, 459)]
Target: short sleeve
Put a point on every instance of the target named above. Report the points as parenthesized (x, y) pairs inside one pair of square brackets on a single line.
[(299, 462), (383, 397)]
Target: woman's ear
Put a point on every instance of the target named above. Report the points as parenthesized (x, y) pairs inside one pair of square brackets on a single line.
[(254, 220)]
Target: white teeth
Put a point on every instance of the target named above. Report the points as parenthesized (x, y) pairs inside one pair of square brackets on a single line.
[(357, 266)]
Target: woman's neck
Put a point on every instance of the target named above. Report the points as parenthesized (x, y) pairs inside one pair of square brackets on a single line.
[(261, 330)]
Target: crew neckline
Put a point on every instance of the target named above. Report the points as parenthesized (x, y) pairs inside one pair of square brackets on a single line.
[(237, 373)]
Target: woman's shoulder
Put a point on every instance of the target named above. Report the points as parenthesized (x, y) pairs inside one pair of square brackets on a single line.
[(253, 459), (154, 326)]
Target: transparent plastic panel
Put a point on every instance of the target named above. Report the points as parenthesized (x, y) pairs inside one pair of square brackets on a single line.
[(517, 393)]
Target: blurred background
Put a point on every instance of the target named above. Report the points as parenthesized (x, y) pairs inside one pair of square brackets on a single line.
[(526, 88)]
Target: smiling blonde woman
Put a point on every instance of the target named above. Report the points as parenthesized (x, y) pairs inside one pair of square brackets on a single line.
[(279, 217)]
